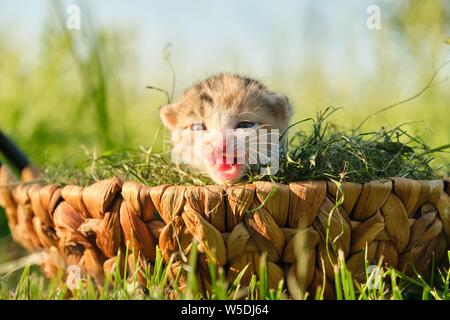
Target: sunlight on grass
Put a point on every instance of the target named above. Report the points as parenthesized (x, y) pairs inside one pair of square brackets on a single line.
[(384, 284)]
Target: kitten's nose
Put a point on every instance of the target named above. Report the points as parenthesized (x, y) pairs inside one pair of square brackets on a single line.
[(221, 154), (222, 146)]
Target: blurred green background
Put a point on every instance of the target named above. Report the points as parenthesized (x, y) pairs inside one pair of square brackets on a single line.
[(62, 89)]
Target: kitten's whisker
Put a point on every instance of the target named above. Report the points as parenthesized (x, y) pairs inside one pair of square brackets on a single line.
[(248, 160), (264, 155), (257, 144), (263, 126)]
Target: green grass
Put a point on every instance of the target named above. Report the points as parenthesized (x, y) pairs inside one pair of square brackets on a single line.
[(381, 284)]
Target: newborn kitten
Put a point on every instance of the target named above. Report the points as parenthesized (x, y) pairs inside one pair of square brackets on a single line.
[(208, 118)]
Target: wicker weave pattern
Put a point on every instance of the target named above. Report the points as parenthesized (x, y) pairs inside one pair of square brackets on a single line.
[(405, 221)]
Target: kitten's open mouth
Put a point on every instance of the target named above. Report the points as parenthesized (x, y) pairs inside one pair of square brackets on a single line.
[(228, 171)]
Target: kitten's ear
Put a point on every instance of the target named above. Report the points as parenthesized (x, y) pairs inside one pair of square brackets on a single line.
[(282, 108), (168, 114)]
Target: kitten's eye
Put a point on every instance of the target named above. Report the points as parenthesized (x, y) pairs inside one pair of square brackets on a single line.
[(246, 125), (198, 126)]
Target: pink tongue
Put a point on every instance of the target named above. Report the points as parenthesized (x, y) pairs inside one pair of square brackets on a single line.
[(228, 171)]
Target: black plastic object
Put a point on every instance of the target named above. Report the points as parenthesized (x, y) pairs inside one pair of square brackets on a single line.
[(11, 152)]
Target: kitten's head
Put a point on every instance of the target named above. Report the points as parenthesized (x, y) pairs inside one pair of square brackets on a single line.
[(209, 114)]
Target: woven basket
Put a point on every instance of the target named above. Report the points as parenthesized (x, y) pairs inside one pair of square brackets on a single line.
[(404, 222)]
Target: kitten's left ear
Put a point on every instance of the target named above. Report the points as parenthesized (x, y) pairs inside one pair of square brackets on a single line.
[(168, 115), (282, 108)]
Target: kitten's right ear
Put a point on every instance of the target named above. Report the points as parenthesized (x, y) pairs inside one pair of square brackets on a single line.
[(168, 114)]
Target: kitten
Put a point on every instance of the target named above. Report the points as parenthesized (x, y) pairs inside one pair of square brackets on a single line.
[(211, 115)]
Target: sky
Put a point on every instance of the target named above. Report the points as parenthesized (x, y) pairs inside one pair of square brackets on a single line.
[(253, 36)]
